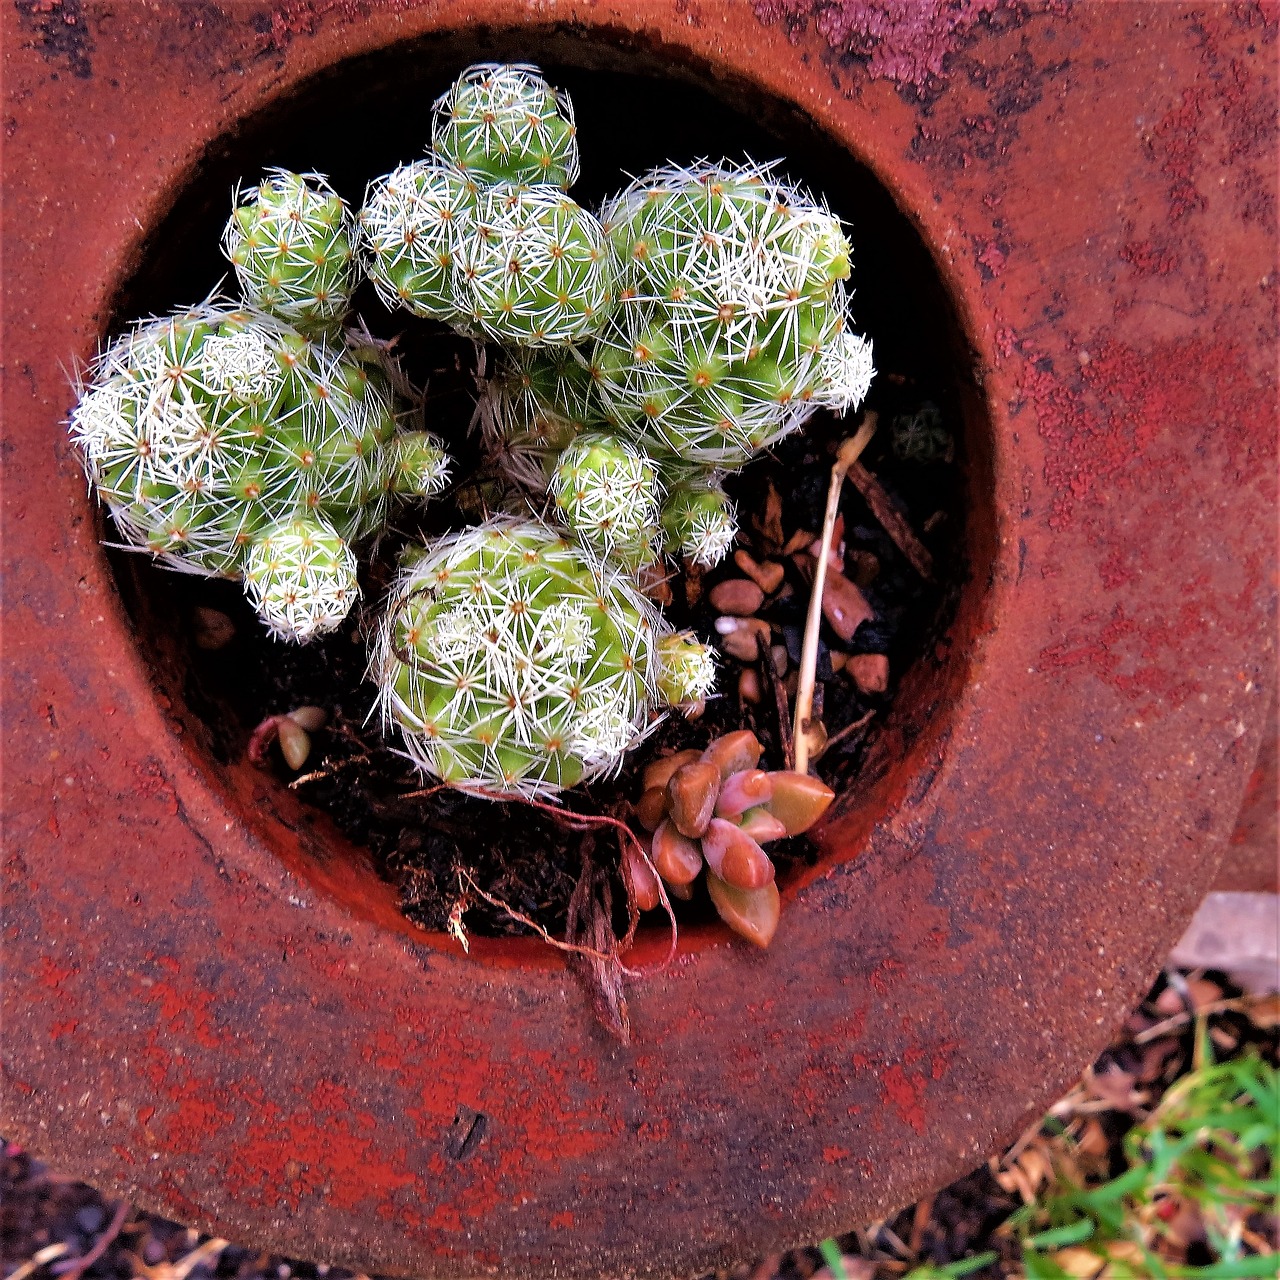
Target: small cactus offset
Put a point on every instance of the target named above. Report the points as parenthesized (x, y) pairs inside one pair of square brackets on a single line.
[(516, 662), (699, 521), (607, 493), (203, 430), (731, 324), (504, 123), (301, 578), (290, 240)]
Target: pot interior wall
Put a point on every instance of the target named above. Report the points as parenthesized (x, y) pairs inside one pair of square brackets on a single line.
[(635, 109)]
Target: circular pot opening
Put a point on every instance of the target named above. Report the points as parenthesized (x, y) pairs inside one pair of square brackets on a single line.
[(635, 109)]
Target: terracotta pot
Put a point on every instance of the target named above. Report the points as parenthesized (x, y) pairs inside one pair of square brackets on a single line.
[(214, 1008)]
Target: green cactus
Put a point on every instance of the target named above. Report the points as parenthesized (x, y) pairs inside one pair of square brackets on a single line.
[(300, 577), (504, 123), (290, 240), (699, 521), (532, 406), (202, 430), (517, 662), (413, 226), (536, 272), (607, 492), (687, 669), (730, 325)]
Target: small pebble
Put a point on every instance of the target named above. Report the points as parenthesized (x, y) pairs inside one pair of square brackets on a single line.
[(153, 1253), (767, 576), (739, 597), (843, 605), (749, 686), (838, 661), (213, 629), (870, 672), (740, 639), (780, 660)]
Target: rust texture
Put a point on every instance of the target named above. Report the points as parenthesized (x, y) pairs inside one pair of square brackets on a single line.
[(210, 1009)]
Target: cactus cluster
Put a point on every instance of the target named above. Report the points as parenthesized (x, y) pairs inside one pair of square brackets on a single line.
[(732, 321), (514, 661), (482, 235), (643, 353)]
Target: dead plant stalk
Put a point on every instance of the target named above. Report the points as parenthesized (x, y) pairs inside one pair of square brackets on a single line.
[(848, 453)]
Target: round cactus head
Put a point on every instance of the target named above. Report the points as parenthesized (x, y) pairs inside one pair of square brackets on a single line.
[(732, 306), (699, 521), (515, 661), (504, 123), (301, 578), (686, 669), (607, 492), (537, 271), (413, 225), (203, 429), (290, 240)]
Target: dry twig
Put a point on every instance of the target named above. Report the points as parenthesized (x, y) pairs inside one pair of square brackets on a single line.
[(890, 520), (846, 457)]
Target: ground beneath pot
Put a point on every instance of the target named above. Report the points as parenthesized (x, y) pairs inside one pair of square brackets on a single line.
[(51, 1225)]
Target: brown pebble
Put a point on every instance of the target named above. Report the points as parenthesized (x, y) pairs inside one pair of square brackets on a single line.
[(738, 597), (863, 567), (767, 576), (870, 672), (741, 642), (749, 686), (213, 629), (843, 605), (658, 772), (838, 660), (691, 797), (655, 583), (797, 542)]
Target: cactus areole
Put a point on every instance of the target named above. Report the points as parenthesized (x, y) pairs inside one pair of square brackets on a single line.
[(212, 1006)]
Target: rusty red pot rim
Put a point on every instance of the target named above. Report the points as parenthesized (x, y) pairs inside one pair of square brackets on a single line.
[(303, 1074)]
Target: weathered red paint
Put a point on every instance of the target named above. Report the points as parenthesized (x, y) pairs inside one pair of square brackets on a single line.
[(198, 970)]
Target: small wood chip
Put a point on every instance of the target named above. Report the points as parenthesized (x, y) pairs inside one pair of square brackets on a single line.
[(891, 521)]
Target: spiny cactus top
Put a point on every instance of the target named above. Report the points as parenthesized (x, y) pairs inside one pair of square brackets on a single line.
[(482, 235), (699, 521), (203, 430), (608, 492), (536, 272), (415, 222), (290, 240), (505, 123), (731, 326), (517, 662)]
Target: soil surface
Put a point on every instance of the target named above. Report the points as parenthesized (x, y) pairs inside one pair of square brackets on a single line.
[(423, 838)]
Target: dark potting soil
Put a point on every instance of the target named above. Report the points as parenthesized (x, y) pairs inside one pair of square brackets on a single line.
[(423, 838)]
